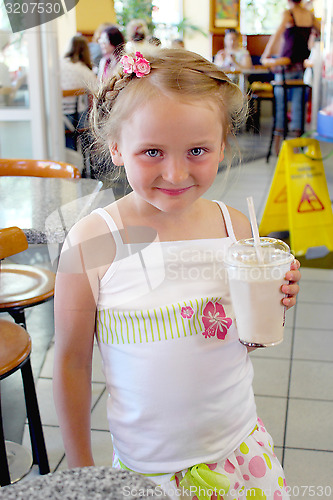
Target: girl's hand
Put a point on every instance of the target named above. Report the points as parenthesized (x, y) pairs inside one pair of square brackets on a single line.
[(292, 289)]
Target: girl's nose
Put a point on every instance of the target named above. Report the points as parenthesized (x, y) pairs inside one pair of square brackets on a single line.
[(175, 172)]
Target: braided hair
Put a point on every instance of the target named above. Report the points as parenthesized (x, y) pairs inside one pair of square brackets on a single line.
[(175, 73)]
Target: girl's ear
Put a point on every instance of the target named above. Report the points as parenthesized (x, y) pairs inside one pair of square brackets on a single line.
[(222, 153), (117, 159)]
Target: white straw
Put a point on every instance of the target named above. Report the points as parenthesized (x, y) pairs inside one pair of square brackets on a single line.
[(255, 230)]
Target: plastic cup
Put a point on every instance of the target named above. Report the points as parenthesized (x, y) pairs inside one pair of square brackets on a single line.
[(256, 289)]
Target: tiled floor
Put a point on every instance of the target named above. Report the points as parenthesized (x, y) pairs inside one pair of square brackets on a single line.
[(293, 381)]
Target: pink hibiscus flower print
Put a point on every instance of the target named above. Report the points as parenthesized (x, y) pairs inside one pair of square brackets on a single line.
[(186, 312), (215, 321)]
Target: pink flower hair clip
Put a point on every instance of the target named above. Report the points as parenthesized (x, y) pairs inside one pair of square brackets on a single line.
[(137, 64)]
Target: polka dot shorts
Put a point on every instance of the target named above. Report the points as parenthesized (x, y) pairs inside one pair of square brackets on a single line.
[(251, 472)]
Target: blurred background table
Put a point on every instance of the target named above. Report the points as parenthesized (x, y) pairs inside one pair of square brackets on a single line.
[(45, 208), (85, 484)]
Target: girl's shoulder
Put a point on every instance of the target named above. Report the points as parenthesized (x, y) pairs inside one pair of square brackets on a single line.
[(91, 239), (240, 223)]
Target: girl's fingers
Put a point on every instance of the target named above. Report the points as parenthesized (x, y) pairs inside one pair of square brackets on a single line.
[(291, 289), (295, 264), (289, 302), (293, 275)]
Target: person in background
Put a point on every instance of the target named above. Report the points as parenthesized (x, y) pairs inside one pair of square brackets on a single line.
[(294, 33), (233, 57), (154, 41), (177, 43), (180, 404), (95, 48), (137, 35), (112, 44), (76, 73)]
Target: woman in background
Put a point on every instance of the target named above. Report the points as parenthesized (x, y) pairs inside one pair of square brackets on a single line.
[(233, 57), (112, 44), (294, 32), (76, 73), (95, 48)]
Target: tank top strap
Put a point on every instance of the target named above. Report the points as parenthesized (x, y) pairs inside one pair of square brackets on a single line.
[(111, 225), (227, 219)]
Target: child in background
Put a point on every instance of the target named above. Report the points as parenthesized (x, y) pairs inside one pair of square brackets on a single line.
[(146, 276)]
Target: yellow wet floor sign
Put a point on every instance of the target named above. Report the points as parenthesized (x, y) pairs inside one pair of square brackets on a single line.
[(298, 199)]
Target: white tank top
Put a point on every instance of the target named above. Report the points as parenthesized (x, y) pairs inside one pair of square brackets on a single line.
[(179, 380)]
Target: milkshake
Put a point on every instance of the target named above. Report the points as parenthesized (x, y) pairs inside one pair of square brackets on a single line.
[(255, 289)]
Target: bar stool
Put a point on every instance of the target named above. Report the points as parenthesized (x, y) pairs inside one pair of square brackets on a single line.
[(15, 459), (22, 286), (286, 85)]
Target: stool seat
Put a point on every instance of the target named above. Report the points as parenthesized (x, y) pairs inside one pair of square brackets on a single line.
[(15, 347), (24, 286)]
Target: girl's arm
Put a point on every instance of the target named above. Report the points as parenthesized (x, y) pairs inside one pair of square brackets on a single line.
[(76, 293), (244, 63)]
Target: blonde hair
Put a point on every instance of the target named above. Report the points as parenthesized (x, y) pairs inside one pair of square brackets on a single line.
[(175, 73)]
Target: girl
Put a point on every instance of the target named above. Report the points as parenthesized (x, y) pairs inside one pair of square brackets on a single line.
[(146, 274)]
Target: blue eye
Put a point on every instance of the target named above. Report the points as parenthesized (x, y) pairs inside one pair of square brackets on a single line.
[(197, 151), (152, 153)]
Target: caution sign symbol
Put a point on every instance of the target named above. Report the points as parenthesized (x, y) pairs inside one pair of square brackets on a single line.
[(282, 195), (309, 201)]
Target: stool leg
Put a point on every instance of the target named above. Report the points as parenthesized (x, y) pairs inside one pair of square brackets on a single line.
[(303, 109), (18, 316), (273, 129), (4, 471), (35, 424), (285, 117)]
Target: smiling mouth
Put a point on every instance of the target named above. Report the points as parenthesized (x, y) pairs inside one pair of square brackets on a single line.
[(173, 191)]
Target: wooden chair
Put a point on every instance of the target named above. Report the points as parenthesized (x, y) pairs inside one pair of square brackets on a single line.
[(22, 286), (258, 92), (79, 132), (15, 349), (38, 168)]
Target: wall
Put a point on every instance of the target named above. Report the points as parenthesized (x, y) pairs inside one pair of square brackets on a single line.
[(66, 28), (90, 14), (197, 13)]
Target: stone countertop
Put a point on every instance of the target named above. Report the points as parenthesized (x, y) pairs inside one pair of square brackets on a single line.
[(46, 208), (88, 483)]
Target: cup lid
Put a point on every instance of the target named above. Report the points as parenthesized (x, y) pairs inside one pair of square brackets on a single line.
[(243, 252)]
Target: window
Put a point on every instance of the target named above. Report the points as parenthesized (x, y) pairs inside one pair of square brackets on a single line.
[(260, 16)]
